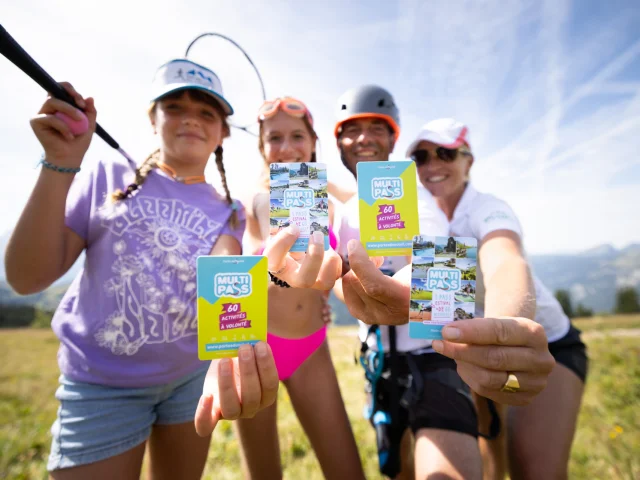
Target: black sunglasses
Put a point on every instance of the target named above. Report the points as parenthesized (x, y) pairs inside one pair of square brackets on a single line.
[(445, 154)]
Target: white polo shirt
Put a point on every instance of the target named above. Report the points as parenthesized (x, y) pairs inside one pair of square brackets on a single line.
[(479, 214), (347, 226)]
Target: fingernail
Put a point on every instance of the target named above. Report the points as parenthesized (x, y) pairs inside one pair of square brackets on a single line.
[(351, 246), (225, 367), (450, 333), (317, 238), (438, 346), (245, 352), (261, 349), (293, 229), (81, 103)]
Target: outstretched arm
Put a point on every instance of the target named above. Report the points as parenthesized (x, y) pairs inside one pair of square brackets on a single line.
[(42, 248)]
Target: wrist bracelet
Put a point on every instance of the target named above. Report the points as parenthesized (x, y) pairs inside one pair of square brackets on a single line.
[(277, 281), (56, 168)]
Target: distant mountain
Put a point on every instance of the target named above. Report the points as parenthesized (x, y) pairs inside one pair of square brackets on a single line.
[(66, 279), (592, 278), (47, 300)]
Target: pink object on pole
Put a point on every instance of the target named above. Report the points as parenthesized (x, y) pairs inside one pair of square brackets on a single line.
[(77, 127)]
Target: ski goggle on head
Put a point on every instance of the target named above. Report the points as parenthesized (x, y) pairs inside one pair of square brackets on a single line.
[(290, 106)]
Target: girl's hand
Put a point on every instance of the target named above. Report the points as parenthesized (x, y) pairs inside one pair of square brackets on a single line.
[(315, 269), (61, 147), (237, 387)]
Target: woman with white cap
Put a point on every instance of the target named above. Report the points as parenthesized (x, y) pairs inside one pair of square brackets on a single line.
[(444, 159)]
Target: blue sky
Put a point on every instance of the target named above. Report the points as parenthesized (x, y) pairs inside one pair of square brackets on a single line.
[(550, 90)]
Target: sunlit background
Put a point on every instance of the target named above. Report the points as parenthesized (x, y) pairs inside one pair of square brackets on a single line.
[(550, 90)]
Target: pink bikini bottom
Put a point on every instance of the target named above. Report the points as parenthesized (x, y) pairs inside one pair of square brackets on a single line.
[(290, 353)]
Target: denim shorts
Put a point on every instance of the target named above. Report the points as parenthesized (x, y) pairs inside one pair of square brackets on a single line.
[(96, 422)]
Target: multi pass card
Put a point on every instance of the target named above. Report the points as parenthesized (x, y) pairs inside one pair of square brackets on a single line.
[(232, 304), (443, 283), (388, 207), (298, 194)]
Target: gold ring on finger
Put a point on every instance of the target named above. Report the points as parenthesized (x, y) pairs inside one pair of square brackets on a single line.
[(512, 385)]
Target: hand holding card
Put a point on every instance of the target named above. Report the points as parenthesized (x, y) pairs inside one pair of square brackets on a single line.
[(317, 269), (237, 388)]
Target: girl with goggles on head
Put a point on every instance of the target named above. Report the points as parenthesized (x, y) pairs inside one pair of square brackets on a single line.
[(297, 326), (297, 109)]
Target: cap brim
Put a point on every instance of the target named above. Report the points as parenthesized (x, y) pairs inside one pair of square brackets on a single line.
[(226, 106), (438, 139)]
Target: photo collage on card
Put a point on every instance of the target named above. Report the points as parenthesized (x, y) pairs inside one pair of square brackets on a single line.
[(443, 283), (298, 194)]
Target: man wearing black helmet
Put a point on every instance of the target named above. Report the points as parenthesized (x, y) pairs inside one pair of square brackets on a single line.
[(410, 386), (410, 389)]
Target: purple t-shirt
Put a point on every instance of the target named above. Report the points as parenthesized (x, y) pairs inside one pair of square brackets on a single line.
[(129, 317)]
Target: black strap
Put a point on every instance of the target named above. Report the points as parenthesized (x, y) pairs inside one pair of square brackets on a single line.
[(394, 394), (392, 466), (494, 427), (278, 281)]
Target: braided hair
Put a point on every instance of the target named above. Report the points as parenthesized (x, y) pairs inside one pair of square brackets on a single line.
[(234, 220), (142, 172)]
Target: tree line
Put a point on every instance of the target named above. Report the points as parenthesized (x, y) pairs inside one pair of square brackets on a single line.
[(627, 301), (18, 316)]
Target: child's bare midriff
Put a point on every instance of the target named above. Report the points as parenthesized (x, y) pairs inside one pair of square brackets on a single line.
[(294, 313)]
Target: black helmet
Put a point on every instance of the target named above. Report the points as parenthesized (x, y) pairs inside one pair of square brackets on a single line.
[(368, 101)]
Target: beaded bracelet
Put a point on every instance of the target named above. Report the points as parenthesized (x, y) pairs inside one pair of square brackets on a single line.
[(277, 281), (56, 168)]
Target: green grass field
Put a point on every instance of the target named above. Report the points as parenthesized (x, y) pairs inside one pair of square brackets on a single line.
[(279, 213), (422, 295), (606, 444)]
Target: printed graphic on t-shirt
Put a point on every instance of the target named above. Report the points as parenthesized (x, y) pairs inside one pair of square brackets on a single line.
[(154, 271), (497, 215)]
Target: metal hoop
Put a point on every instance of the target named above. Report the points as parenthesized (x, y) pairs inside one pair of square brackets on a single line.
[(255, 69)]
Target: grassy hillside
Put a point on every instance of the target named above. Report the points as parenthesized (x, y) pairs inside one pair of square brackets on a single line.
[(606, 444)]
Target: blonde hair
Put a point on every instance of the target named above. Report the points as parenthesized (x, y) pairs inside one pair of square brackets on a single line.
[(151, 162)]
